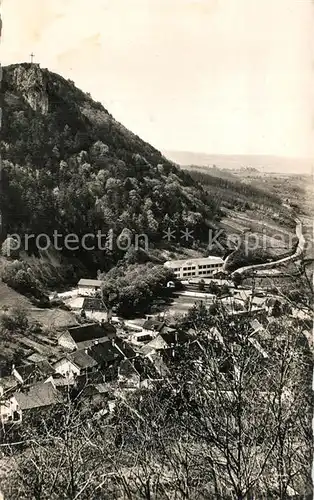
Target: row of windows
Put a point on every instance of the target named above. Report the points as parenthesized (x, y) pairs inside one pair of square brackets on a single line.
[(206, 266), (192, 271)]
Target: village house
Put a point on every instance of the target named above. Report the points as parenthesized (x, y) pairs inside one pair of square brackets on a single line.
[(89, 332), (9, 408), (153, 326), (62, 383), (165, 343), (141, 337), (88, 288), (101, 397), (141, 372), (93, 304), (91, 307), (66, 340), (173, 337), (136, 373), (36, 396), (106, 353), (94, 308), (67, 369), (35, 358), (150, 329), (34, 372), (75, 365), (10, 411), (151, 367), (155, 345)]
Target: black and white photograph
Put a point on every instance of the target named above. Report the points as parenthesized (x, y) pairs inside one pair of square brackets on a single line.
[(156, 249)]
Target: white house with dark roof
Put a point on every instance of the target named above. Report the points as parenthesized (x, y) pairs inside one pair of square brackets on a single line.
[(10, 411), (67, 369), (184, 269), (9, 408), (84, 335), (33, 372), (75, 364), (66, 340)]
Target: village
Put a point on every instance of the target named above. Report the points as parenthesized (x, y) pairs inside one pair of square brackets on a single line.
[(156, 251), (103, 356)]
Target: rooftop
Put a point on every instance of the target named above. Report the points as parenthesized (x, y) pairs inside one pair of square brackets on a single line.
[(90, 283), (37, 371), (91, 331), (124, 347), (93, 304), (111, 350), (153, 324), (104, 352), (8, 382), (36, 358), (174, 337), (190, 262), (37, 396), (86, 344), (157, 343), (82, 359), (62, 381)]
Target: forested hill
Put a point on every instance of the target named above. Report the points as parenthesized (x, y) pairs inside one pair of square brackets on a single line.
[(69, 166)]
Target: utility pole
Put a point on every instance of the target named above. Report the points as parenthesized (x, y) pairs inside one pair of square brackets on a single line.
[(32, 57)]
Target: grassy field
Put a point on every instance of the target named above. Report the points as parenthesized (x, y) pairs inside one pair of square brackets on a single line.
[(10, 298), (15, 347), (181, 304)]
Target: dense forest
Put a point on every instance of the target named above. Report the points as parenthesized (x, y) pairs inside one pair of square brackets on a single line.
[(68, 166)]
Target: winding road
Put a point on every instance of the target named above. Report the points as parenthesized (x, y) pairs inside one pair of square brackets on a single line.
[(270, 265)]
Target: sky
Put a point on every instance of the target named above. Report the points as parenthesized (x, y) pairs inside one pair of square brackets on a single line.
[(213, 76)]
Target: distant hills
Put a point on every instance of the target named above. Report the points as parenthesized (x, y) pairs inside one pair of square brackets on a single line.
[(264, 164)]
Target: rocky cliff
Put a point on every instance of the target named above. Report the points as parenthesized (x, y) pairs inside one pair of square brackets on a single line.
[(30, 83)]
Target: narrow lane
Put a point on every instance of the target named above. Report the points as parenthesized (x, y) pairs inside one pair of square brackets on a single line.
[(270, 265)]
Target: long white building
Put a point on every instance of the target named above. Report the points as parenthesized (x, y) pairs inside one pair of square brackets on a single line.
[(203, 268), (88, 288)]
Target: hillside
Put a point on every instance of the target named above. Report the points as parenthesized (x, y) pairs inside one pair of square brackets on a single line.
[(253, 209), (69, 166)]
